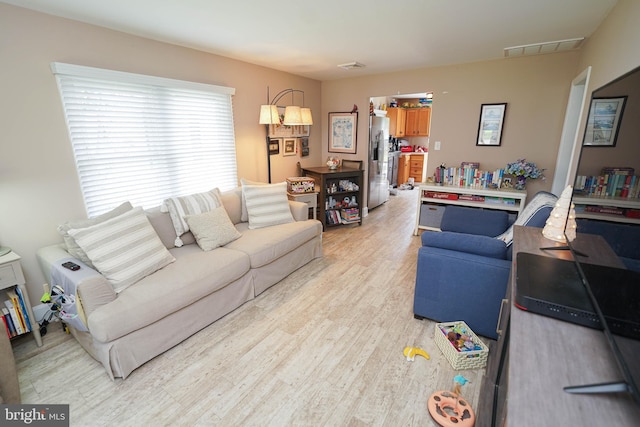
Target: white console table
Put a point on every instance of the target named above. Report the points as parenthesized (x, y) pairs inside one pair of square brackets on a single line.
[(519, 196)]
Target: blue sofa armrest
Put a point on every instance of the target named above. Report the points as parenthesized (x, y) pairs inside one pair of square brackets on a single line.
[(467, 243), (484, 222), (445, 292)]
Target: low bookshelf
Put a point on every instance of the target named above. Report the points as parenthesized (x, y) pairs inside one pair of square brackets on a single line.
[(436, 197), (615, 209)]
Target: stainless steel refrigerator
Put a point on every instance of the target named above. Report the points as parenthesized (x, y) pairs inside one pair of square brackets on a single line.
[(378, 161)]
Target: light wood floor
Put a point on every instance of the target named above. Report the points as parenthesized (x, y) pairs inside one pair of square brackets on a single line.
[(321, 348)]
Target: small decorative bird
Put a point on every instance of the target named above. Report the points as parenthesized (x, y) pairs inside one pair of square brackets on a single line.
[(355, 108)]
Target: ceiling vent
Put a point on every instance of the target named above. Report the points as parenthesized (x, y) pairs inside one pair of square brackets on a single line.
[(351, 65), (540, 48)]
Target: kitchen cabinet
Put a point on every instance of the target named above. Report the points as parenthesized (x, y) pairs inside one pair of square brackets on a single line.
[(418, 121), (403, 169), (397, 121), (417, 167)]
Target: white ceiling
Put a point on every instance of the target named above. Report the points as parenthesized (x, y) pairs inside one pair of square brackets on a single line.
[(310, 38)]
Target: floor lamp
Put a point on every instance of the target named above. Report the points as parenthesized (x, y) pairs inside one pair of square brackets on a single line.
[(293, 116)]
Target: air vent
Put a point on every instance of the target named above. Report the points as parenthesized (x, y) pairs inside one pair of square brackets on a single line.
[(351, 65), (541, 48)]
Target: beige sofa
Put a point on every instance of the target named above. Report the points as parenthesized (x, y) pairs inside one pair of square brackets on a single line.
[(127, 329)]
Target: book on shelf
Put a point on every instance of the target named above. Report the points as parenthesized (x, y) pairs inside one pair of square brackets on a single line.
[(626, 186), (604, 210), (469, 177), (17, 311), (350, 215), (437, 195), (8, 323)]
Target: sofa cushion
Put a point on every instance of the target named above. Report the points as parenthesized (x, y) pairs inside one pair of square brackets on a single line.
[(212, 229), (192, 204), (193, 275), (72, 247), (467, 243), (124, 249), (267, 205), (486, 222), (232, 202), (161, 222), (264, 245)]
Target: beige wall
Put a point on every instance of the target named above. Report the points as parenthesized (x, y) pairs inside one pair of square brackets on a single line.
[(536, 90), (39, 188)]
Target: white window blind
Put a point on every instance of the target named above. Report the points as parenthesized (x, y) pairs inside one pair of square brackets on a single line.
[(142, 139)]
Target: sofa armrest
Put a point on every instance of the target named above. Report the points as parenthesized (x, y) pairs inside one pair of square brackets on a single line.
[(466, 243), (299, 210), (94, 292)]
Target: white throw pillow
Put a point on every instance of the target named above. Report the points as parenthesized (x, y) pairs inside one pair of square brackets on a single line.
[(72, 247), (212, 229), (179, 207), (267, 205), (124, 249), (244, 215)]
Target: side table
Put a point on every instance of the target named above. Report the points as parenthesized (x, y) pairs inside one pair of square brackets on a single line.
[(311, 199), (10, 276)]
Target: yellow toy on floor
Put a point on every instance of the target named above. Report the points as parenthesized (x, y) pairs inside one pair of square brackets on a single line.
[(411, 352)]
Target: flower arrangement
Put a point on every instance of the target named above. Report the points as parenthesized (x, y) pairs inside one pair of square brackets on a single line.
[(525, 169)]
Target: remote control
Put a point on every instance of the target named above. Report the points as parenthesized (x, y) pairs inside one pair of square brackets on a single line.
[(71, 266)]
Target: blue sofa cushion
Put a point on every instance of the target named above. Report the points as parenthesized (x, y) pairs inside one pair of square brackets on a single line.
[(467, 243), (474, 221), (535, 214)]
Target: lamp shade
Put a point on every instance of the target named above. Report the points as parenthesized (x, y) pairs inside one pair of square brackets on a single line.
[(307, 119), (292, 116), (269, 115)]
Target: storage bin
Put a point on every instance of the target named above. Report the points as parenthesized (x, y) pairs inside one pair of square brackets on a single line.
[(467, 359), (300, 184), (431, 215)]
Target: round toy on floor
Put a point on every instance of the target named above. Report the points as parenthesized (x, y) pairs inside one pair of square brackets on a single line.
[(449, 409)]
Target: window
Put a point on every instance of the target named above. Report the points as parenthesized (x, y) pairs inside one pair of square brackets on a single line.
[(143, 139)]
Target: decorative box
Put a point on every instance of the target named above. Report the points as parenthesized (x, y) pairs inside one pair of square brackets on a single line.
[(300, 184), (431, 215), (463, 349)]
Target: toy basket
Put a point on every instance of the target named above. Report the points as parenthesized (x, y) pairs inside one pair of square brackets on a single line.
[(475, 358)]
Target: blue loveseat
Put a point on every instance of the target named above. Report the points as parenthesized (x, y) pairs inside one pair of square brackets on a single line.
[(463, 271)]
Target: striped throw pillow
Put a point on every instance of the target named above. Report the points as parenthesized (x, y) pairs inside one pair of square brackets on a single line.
[(267, 205), (124, 249), (179, 207)]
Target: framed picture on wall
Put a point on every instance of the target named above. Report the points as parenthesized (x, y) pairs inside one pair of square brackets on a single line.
[(605, 115), (343, 129), (491, 123), (289, 146), (274, 146)]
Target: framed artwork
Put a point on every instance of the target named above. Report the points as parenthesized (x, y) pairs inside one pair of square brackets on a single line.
[(274, 146), (289, 147), (304, 146), (343, 129), (605, 115), (491, 124)]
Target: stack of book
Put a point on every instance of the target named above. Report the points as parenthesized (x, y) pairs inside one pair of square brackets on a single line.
[(350, 215), (14, 314), (612, 182)]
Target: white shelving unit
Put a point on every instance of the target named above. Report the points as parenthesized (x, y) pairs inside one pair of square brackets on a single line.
[(615, 202), (519, 196)]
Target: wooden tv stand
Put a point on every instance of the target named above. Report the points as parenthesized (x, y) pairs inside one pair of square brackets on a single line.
[(542, 355)]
